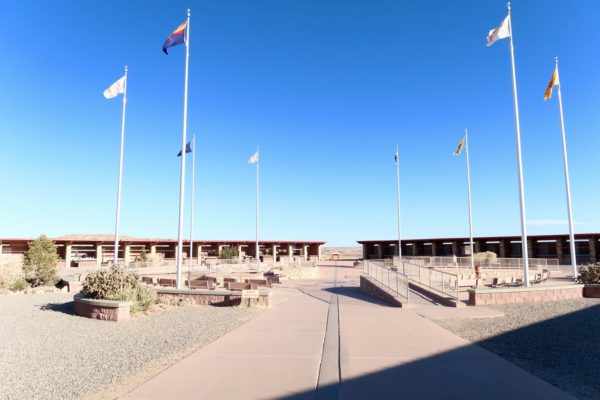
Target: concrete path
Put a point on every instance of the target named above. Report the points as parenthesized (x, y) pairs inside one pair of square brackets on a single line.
[(327, 340)]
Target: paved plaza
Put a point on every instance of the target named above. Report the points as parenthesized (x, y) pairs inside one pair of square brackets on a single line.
[(325, 339)]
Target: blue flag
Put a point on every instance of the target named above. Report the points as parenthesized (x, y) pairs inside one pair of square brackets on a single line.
[(188, 148)]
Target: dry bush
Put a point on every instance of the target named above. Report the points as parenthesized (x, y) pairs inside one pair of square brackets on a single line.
[(9, 274)]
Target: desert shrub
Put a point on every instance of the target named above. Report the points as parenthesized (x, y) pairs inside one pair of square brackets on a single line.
[(107, 283), (589, 274), (144, 297), (119, 284), (486, 257), (39, 263), (153, 259), (141, 298), (143, 255), (18, 285), (228, 252), (8, 275)]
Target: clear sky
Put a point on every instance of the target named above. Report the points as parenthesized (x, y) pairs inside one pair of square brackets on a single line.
[(326, 88)]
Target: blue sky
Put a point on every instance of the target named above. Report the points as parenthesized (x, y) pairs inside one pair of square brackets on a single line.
[(326, 88)]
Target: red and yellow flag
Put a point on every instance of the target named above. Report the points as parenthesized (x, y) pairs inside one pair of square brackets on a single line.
[(553, 82)]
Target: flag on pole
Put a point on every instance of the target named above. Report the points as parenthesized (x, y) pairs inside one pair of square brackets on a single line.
[(502, 31), (460, 146), (175, 38), (554, 81), (116, 88), (253, 159), (188, 148)]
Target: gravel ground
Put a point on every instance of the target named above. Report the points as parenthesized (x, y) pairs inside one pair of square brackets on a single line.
[(556, 341), (48, 353)]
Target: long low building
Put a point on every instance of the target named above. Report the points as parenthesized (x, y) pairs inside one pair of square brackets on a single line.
[(540, 246), (98, 250)]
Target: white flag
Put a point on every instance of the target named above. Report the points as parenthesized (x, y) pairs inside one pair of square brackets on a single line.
[(116, 88), (502, 31), (253, 159)]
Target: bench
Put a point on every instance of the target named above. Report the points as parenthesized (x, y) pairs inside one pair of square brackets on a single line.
[(259, 282), (199, 284), (167, 282), (208, 278), (240, 286), (148, 280)]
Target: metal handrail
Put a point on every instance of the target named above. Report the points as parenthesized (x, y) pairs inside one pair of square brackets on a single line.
[(439, 281), (381, 271), (484, 262)]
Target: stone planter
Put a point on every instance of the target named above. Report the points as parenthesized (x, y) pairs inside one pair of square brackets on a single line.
[(217, 297), (106, 310), (592, 291), (492, 296)]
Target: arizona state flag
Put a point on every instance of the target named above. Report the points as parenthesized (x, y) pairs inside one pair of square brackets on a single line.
[(175, 38), (460, 146), (553, 82)]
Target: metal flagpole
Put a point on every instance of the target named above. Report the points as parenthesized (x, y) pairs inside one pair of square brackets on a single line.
[(183, 143), (116, 250), (567, 183), (469, 196), (519, 160), (193, 146), (257, 174), (398, 202)]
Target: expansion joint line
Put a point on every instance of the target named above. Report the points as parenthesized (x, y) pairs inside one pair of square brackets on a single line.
[(329, 379)]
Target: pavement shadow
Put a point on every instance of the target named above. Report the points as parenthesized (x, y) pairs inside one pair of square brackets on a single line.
[(354, 292), (561, 351), (65, 308)]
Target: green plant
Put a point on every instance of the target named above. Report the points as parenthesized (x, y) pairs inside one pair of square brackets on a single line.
[(589, 274), (228, 252), (145, 297), (39, 263), (143, 256), (9, 274), (104, 284), (141, 298), (119, 284), (18, 285)]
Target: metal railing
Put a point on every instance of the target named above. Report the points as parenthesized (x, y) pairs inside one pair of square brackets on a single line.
[(439, 281), (382, 272), (484, 262)]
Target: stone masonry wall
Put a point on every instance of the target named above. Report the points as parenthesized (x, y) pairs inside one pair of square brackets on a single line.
[(373, 288), (103, 313), (479, 297), (214, 299)]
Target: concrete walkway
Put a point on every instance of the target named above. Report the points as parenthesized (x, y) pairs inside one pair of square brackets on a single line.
[(325, 339)]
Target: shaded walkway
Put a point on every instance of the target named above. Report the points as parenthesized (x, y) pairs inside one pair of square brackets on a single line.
[(382, 352)]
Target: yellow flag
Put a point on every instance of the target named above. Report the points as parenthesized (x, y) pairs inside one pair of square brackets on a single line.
[(460, 146), (553, 82)]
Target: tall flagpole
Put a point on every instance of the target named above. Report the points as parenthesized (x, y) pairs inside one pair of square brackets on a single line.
[(116, 250), (398, 201), (519, 160), (469, 197), (567, 183), (257, 174), (192, 205), (183, 143)]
